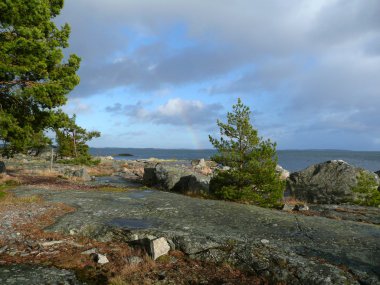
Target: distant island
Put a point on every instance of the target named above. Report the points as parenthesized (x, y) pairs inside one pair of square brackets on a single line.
[(125, 154)]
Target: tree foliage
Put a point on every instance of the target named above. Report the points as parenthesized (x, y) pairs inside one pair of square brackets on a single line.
[(251, 161), (72, 140), (367, 190), (34, 78)]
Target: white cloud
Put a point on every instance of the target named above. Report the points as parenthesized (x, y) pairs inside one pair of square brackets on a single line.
[(311, 57), (175, 111), (77, 106)]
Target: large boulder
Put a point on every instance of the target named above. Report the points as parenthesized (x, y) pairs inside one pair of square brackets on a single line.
[(330, 182), (76, 173), (2, 167), (133, 170), (176, 178)]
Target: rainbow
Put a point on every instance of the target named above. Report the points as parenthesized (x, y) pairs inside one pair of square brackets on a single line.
[(192, 132)]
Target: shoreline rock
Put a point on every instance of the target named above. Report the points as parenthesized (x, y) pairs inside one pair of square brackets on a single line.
[(330, 182), (176, 179)]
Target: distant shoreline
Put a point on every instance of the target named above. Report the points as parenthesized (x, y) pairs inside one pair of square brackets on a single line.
[(292, 160), (211, 149)]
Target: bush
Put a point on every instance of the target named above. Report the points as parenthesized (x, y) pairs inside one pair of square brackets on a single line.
[(367, 190)]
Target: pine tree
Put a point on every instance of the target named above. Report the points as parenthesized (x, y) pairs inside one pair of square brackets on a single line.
[(34, 79), (72, 140), (251, 161)]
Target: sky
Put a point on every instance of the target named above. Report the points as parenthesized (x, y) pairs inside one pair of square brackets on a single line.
[(159, 73)]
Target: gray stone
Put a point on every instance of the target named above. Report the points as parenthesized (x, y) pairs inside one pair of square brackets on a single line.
[(155, 247), (177, 179), (199, 163), (288, 207), (51, 243), (80, 173), (295, 207), (102, 259), (284, 174), (149, 177), (90, 251), (193, 184), (264, 241), (301, 207), (159, 247), (330, 182), (2, 167)]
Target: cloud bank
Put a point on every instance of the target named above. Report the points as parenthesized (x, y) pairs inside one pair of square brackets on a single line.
[(314, 64)]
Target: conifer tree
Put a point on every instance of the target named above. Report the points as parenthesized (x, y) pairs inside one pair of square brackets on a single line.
[(34, 78), (72, 139), (250, 160)]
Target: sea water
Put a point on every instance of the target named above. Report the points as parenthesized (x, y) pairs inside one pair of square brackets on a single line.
[(291, 160)]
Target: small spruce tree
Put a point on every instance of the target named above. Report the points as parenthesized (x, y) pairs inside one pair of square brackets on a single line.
[(72, 140), (367, 190), (251, 176)]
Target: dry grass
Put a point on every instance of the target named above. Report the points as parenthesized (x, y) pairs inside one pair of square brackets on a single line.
[(102, 169), (117, 281), (40, 172), (8, 180), (293, 201)]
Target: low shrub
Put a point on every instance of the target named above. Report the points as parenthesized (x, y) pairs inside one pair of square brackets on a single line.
[(367, 190), (82, 160)]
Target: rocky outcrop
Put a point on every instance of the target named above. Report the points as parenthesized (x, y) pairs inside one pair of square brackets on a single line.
[(2, 167), (288, 248), (378, 173), (203, 167), (35, 274), (330, 182), (76, 173), (284, 174), (176, 178), (133, 170)]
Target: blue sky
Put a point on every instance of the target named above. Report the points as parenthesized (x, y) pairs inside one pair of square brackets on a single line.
[(160, 73)]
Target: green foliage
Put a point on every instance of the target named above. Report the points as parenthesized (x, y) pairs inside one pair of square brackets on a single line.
[(34, 80), (8, 184), (72, 140), (252, 161), (367, 190)]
